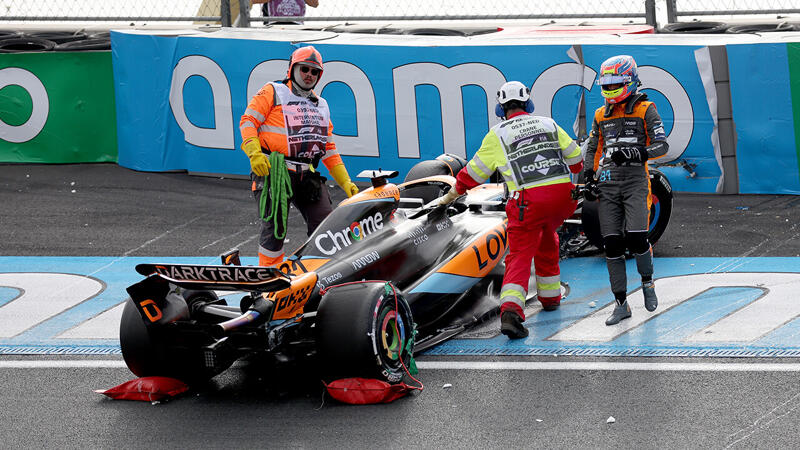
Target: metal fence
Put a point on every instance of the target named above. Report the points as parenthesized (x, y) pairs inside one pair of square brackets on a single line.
[(483, 10), (243, 13), (111, 10), (778, 9)]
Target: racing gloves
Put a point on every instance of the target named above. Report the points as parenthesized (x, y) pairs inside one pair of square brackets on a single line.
[(258, 160), (339, 173), (622, 155), (448, 198)]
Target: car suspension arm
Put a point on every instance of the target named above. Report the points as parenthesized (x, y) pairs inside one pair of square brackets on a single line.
[(259, 311)]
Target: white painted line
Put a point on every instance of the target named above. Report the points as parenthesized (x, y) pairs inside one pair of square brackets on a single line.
[(771, 311), (131, 251), (776, 308), (102, 326), (222, 239), (477, 365), (44, 295), (65, 364), (607, 366)]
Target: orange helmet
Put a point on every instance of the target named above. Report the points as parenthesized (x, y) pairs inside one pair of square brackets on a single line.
[(307, 55)]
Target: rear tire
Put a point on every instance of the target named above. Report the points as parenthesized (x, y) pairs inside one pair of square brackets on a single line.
[(363, 332), (147, 352), (140, 348), (660, 211)]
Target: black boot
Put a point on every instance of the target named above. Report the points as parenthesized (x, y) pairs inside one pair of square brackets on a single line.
[(511, 325)]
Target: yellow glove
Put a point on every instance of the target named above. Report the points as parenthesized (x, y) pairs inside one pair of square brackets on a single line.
[(352, 189), (448, 198), (258, 160), (339, 173)]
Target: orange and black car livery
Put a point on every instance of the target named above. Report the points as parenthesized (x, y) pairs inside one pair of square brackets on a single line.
[(440, 261), (434, 256)]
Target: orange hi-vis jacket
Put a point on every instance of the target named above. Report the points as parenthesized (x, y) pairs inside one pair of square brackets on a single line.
[(296, 126)]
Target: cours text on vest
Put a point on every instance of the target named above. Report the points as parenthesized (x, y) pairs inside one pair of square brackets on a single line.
[(532, 149)]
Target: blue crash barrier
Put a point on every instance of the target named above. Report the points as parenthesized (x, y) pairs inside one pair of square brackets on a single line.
[(398, 99)]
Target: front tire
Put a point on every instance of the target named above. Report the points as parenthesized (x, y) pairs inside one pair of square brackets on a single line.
[(364, 330), (428, 168)]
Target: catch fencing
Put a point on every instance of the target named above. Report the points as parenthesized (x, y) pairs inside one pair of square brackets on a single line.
[(244, 13), (236, 13), (111, 11), (778, 9)]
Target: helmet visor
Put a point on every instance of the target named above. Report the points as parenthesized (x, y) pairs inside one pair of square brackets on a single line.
[(613, 79)]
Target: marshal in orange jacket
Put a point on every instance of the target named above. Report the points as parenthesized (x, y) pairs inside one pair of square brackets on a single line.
[(297, 126)]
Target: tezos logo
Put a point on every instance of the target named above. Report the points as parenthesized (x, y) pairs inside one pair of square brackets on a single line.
[(331, 242)]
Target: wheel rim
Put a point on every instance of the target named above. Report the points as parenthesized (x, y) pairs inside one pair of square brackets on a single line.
[(655, 212), (393, 336)]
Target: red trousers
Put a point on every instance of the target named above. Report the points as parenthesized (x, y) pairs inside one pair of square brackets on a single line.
[(535, 238)]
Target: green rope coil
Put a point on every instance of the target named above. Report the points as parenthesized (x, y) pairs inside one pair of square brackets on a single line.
[(280, 185)]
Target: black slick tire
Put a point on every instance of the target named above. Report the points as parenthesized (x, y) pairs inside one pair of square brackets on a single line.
[(146, 351), (356, 333)]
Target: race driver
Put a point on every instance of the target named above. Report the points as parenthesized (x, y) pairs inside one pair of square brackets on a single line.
[(289, 118), (626, 133), (535, 157)]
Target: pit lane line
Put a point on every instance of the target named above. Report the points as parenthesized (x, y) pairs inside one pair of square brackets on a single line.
[(477, 365)]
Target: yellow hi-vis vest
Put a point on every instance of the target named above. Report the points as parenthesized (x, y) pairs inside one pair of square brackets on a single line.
[(529, 151)]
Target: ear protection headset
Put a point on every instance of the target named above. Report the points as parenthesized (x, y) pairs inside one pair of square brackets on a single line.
[(500, 112), (513, 90)]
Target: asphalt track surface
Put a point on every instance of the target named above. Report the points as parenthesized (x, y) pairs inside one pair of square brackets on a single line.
[(106, 210)]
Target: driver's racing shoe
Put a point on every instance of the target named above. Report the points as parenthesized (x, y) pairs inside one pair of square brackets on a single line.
[(511, 325), (621, 312), (650, 299)]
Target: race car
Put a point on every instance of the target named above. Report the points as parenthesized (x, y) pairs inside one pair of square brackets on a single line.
[(388, 273)]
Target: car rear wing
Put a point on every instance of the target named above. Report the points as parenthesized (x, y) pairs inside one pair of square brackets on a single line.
[(222, 278)]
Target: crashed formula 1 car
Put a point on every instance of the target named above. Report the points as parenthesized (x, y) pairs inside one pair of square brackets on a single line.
[(388, 273)]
